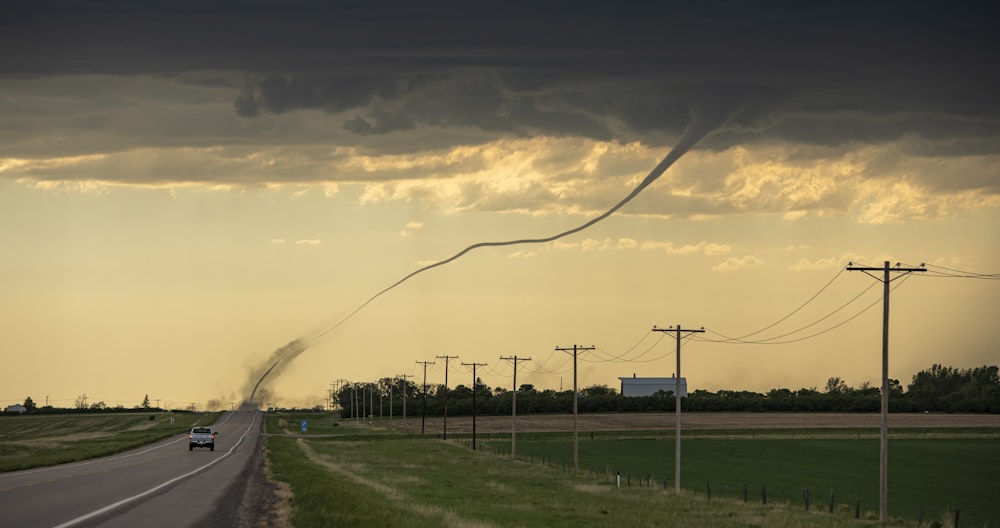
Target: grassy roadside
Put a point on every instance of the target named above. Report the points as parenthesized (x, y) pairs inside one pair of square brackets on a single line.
[(379, 479), (45, 440), (352, 473)]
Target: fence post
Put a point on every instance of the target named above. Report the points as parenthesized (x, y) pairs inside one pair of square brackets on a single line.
[(857, 507), (831, 500), (956, 517), (744, 493), (709, 486), (805, 497), (763, 494), (920, 516)]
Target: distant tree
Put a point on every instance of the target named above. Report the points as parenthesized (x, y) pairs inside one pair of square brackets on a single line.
[(526, 388), (145, 402), (948, 389), (835, 385), (598, 390), (460, 392), (29, 405), (99, 406), (81, 401)]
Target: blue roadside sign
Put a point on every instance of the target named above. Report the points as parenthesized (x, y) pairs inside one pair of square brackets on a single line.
[(305, 423)]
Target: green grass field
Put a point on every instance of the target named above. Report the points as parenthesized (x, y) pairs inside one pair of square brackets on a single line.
[(44, 440), (936, 474), (369, 476)]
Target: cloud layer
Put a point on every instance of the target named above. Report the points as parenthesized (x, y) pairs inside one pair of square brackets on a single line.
[(867, 109)]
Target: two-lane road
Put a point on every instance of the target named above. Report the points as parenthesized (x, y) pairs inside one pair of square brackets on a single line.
[(162, 484)]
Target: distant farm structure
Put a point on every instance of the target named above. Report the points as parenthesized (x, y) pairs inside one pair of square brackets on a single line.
[(632, 387)]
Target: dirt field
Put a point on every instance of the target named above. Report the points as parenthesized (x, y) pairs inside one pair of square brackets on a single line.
[(690, 421)]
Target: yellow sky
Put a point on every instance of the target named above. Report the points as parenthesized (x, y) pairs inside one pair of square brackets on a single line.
[(117, 291)]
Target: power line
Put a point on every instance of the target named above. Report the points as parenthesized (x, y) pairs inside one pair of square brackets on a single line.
[(957, 274), (635, 359), (556, 370), (773, 340), (645, 336), (795, 311)]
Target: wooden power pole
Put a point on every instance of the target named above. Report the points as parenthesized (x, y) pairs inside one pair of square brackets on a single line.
[(677, 404), (576, 445), (883, 476), (445, 429), (423, 412), (474, 365), (513, 405)]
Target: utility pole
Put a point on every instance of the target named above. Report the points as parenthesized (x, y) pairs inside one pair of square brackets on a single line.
[(336, 387), (677, 405), (474, 365), (423, 416), (404, 376), (355, 411), (883, 477), (513, 406), (576, 446), (446, 358)]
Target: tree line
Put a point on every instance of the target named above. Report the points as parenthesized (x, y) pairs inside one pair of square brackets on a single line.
[(82, 404), (937, 389)]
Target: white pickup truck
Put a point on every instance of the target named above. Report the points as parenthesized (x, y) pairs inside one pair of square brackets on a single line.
[(202, 437)]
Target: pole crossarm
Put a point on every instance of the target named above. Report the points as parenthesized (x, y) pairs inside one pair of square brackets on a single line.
[(677, 402), (886, 269), (896, 269)]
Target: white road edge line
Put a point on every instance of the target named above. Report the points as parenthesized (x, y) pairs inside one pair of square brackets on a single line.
[(99, 460), (152, 490)]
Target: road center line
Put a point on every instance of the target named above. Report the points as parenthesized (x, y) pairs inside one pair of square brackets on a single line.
[(154, 489)]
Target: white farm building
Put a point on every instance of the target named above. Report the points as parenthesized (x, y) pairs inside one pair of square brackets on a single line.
[(648, 386)]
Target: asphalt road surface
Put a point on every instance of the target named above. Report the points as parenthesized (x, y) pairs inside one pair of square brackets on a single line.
[(162, 484)]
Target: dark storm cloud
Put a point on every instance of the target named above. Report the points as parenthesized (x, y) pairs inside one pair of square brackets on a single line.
[(826, 73), (279, 94)]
